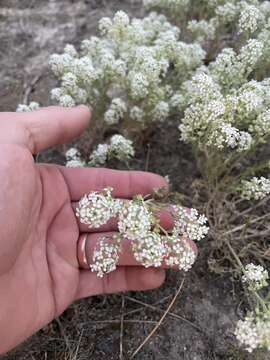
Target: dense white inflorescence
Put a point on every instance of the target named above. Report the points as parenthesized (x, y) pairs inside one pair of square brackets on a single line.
[(123, 73), (134, 220), (28, 108), (96, 209), (180, 253), (189, 223), (255, 276), (254, 331), (138, 222), (74, 159), (100, 155), (255, 188), (105, 256), (150, 250), (247, 334), (118, 148)]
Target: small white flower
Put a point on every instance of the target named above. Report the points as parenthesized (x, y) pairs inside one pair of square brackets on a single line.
[(57, 93), (149, 250), (67, 101), (134, 220), (96, 208), (137, 114), (104, 25), (138, 85), (61, 63), (116, 111), (180, 252), (121, 18), (100, 155), (189, 223), (121, 148), (33, 106), (72, 154), (255, 276), (249, 19), (161, 111), (228, 136), (105, 256), (76, 163), (256, 188), (247, 334), (70, 50)]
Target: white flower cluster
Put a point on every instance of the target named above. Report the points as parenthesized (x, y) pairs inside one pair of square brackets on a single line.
[(255, 188), (138, 222), (189, 223), (100, 155), (74, 159), (255, 276), (247, 335), (134, 220), (180, 253), (28, 108), (123, 73), (228, 136), (150, 250), (118, 148), (203, 30), (106, 256), (116, 112), (218, 16), (172, 5), (220, 100), (231, 69), (254, 331), (249, 19), (96, 209)]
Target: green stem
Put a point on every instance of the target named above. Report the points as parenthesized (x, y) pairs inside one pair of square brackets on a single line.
[(256, 295)]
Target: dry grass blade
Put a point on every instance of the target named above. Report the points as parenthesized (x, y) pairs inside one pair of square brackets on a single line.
[(160, 321), (117, 321), (28, 88), (145, 305), (122, 328), (155, 308)]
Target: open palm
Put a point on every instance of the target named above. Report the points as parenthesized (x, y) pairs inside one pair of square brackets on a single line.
[(39, 271)]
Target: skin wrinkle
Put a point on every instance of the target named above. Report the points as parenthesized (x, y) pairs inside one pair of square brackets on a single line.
[(54, 311), (51, 247)]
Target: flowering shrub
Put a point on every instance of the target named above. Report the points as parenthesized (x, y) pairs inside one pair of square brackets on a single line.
[(138, 221), (204, 67), (124, 72)]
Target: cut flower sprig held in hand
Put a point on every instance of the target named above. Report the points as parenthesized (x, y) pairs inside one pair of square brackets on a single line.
[(138, 221)]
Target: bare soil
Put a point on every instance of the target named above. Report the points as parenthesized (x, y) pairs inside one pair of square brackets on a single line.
[(209, 304)]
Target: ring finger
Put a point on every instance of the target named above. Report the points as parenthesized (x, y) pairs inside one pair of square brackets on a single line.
[(88, 243)]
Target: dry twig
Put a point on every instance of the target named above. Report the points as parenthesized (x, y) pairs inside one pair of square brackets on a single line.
[(122, 328), (155, 308), (160, 321)]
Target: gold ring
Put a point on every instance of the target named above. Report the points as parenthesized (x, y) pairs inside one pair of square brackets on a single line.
[(81, 252)]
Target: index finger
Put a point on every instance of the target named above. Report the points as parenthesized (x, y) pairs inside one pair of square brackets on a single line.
[(125, 184)]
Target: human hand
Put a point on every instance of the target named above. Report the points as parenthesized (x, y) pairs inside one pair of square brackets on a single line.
[(39, 271)]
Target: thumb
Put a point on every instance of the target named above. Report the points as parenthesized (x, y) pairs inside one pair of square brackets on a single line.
[(46, 127)]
